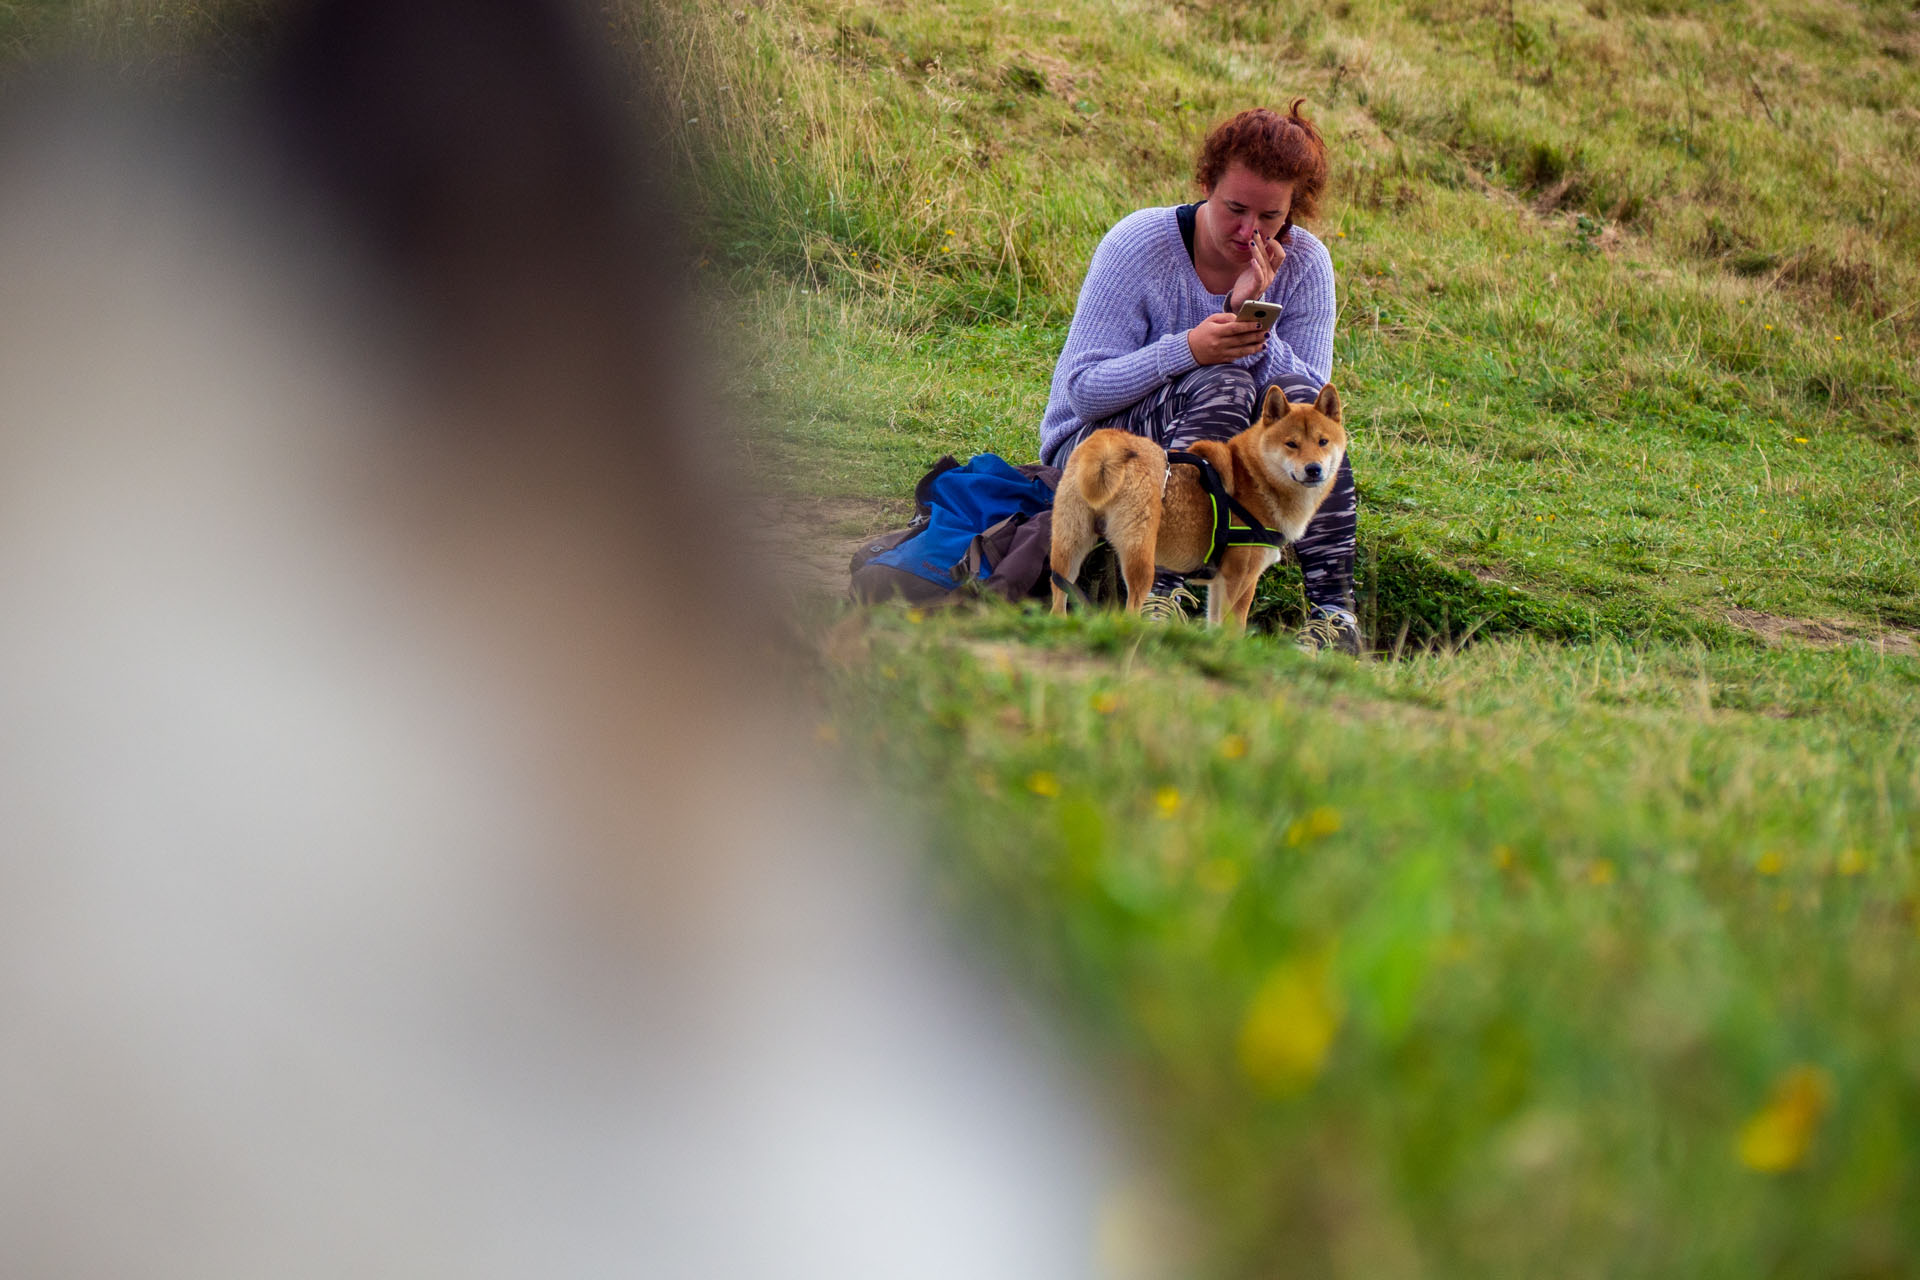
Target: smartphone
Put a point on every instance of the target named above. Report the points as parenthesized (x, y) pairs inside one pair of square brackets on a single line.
[(1262, 313)]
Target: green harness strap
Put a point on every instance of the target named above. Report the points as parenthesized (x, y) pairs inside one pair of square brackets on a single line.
[(1226, 508)]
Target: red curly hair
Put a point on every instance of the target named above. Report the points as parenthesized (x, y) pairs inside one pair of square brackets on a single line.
[(1280, 148)]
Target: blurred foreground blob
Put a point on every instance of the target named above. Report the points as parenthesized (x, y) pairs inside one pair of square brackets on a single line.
[(1780, 1134), (410, 865)]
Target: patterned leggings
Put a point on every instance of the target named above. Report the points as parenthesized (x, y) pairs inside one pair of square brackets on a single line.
[(1216, 401)]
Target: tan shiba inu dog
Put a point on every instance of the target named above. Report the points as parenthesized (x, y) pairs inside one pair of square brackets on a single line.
[(1119, 485)]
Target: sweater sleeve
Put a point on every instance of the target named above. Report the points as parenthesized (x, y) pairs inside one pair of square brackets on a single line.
[(1112, 357), (1299, 355)]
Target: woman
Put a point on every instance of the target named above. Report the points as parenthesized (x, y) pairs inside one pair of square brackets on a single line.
[(1156, 349)]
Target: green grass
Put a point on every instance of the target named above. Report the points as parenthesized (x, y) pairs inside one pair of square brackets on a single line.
[(1572, 940)]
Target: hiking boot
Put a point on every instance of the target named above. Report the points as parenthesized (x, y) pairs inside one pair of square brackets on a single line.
[(1176, 605), (1169, 601), (1330, 628)]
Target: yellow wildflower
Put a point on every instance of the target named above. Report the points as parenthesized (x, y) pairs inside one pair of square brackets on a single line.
[(1770, 863), (1323, 821), (1042, 783), (1851, 862), (1503, 856), (1167, 801), (1290, 1025), (1105, 702), (1601, 871), (1233, 746), (1778, 1136)]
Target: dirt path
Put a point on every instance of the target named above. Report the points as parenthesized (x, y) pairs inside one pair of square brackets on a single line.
[(806, 542)]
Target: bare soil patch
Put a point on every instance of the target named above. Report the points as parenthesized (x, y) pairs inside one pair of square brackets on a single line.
[(806, 543), (1829, 634)]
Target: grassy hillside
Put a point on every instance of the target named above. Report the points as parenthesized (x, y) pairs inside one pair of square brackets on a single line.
[(1577, 950), (1645, 274)]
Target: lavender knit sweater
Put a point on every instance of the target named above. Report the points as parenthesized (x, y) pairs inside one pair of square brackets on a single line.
[(1129, 331)]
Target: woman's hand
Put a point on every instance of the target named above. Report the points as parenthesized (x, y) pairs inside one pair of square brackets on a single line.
[(1258, 276), (1224, 337)]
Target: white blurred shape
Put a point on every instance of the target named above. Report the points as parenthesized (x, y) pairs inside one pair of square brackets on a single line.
[(315, 954)]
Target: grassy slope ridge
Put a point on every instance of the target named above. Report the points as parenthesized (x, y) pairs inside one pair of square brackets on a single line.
[(1577, 952)]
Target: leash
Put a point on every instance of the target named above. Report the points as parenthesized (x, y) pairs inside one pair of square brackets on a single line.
[(1073, 590), (1226, 534)]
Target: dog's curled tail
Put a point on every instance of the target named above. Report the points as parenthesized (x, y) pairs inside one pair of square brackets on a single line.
[(1100, 481)]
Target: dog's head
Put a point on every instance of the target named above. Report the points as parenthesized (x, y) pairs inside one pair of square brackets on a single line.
[(1303, 442)]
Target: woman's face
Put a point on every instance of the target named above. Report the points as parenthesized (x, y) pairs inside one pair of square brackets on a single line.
[(1241, 203)]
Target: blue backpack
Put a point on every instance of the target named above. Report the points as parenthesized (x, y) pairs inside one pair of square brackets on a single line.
[(985, 525)]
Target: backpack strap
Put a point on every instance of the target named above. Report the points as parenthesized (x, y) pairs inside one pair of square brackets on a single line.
[(1226, 508)]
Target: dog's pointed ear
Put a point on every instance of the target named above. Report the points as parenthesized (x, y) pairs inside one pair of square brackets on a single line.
[(1328, 402), (1274, 407)]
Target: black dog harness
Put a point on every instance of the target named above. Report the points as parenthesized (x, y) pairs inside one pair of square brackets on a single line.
[(1226, 534), (1226, 508)]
